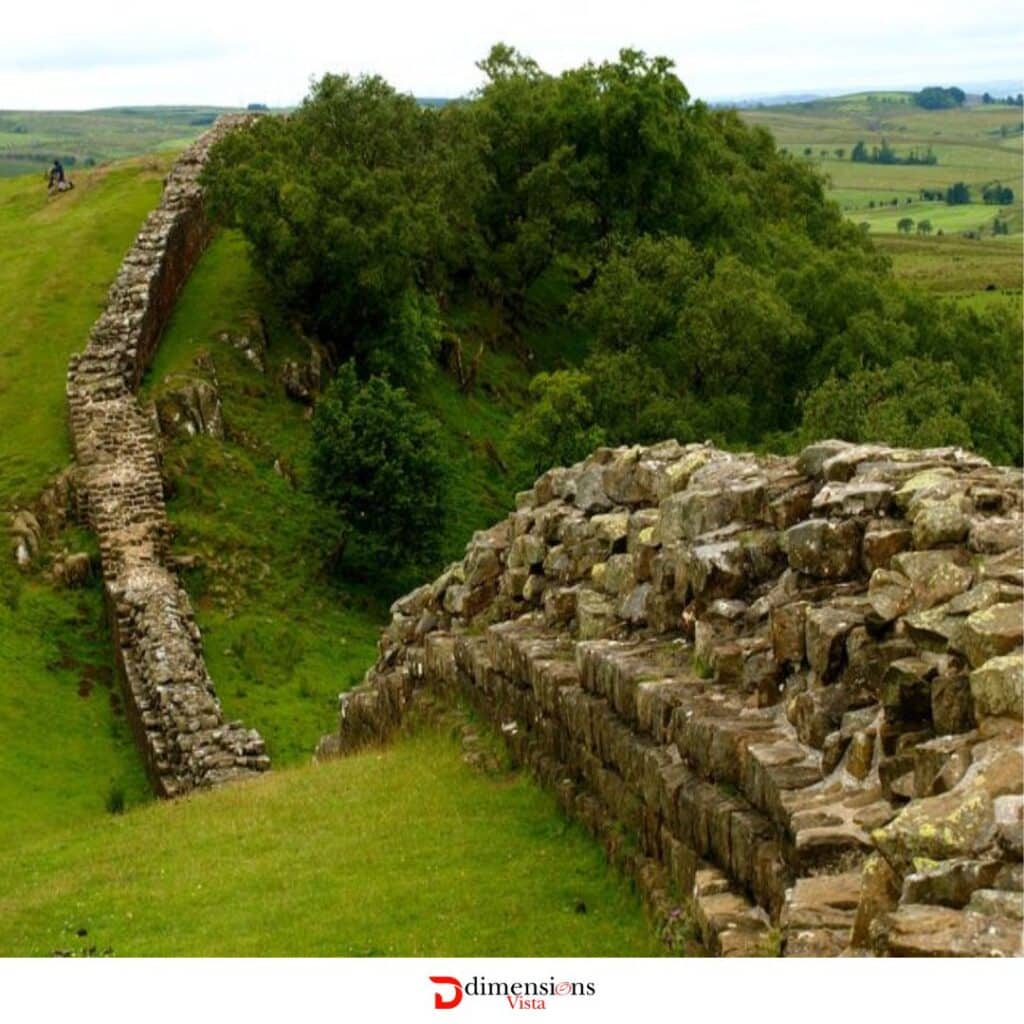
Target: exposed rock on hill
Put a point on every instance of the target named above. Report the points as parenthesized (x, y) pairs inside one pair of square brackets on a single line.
[(190, 406), (794, 685)]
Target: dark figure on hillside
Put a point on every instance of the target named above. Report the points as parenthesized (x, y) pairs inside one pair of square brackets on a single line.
[(57, 180)]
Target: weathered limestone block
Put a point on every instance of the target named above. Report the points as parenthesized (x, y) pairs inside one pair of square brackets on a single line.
[(761, 719), (826, 630), (997, 687), (995, 535), (884, 538), (996, 630), (72, 570), (921, 930), (824, 548), (191, 407)]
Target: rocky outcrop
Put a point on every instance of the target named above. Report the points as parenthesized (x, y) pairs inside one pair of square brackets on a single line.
[(189, 406), (176, 714), (30, 529), (790, 686)]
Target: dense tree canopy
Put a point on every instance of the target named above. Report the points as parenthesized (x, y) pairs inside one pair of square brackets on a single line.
[(717, 291)]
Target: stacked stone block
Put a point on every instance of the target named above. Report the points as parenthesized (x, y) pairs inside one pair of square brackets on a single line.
[(171, 700), (792, 684)]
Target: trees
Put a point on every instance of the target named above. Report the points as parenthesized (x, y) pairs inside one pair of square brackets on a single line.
[(359, 210), (958, 194), (914, 402), (997, 194), (886, 154), (710, 282), (904, 225), (613, 398), (924, 227), (379, 462), (935, 97)]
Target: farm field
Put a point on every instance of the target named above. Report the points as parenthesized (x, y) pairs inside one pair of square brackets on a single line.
[(955, 265), (977, 144)]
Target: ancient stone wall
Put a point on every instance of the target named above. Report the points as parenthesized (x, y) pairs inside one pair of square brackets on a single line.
[(788, 688), (171, 699)]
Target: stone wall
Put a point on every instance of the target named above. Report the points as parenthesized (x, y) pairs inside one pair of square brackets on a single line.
[(170, 697), (785, 690)]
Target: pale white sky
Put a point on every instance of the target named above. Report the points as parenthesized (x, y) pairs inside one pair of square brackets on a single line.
[(90, 53)]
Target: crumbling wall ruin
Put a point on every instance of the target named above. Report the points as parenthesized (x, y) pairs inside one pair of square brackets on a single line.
[(171, 699), (786, 691)]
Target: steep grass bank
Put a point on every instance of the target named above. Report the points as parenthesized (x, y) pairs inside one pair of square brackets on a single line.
[(405, 851), (283, 634), (64, 746)]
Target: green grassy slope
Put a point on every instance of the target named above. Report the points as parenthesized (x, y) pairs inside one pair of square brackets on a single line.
[(62, 744), (405, 851), (282, 637), (30, 139)]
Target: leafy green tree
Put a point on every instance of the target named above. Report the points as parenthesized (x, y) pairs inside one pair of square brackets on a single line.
[(917, 403), (560, 427), (935, 97), (859, 153), (958, 194), (378, 460), (997, 194), (614, 398), (924, 227), (904, 225), (358, 209)]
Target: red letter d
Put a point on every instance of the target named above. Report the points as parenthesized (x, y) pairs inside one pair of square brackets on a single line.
[(447, 1004)]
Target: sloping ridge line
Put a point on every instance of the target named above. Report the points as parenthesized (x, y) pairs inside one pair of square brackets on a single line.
[(171, 702)]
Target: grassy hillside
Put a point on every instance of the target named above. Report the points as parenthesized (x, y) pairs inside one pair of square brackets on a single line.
[(30, 139), (282, 636), (63, 744), (975, 144), (405, 851)]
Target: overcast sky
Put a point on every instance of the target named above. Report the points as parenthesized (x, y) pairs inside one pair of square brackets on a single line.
[(91, 53)]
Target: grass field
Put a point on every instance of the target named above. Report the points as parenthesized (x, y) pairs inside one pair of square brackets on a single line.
[(976, 144), (957, 266), (63, 745), (405, 851)]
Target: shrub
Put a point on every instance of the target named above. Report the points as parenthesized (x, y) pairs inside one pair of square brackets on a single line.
[(378, 461)]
